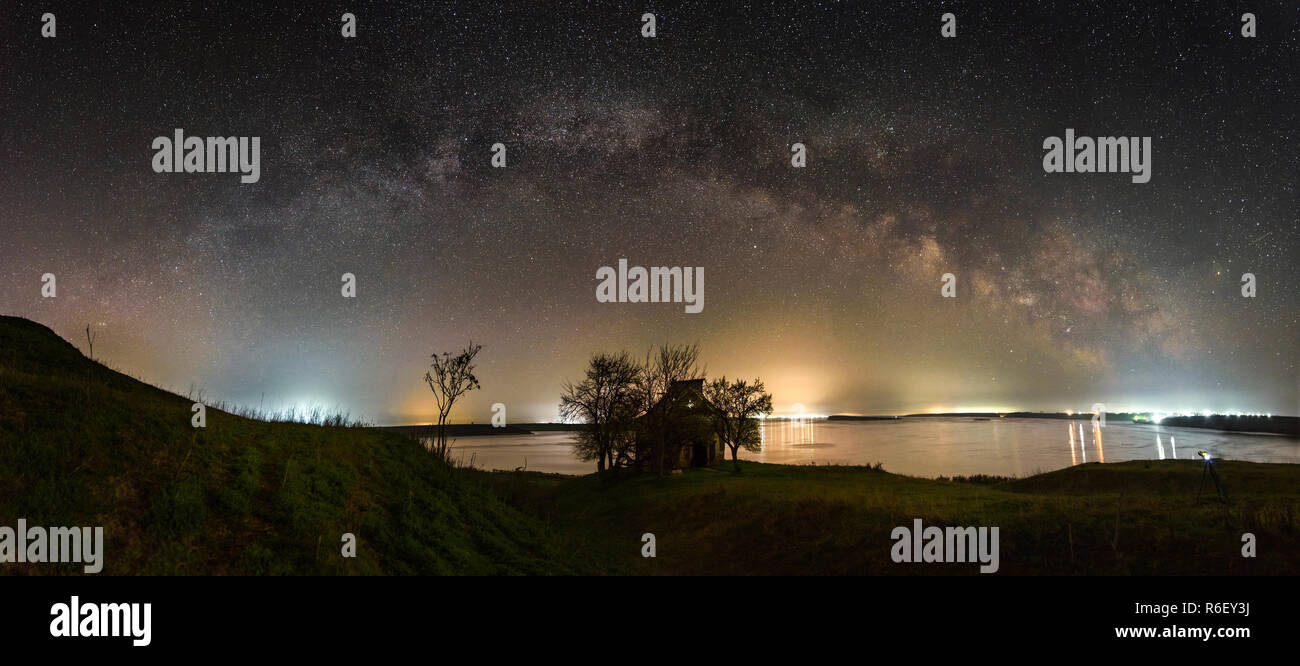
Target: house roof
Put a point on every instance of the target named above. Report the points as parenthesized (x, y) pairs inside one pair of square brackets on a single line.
[(688, 393), (687, 384)]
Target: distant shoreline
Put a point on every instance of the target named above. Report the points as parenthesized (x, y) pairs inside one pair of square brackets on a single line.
[(479, 429), (1245, 425)]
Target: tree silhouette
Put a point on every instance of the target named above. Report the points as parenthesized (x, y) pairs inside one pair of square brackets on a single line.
[(450, 377), (90, 341), (736, 405), (606, 400)]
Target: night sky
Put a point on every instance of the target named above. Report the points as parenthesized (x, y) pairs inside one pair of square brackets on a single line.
[(924, 157)]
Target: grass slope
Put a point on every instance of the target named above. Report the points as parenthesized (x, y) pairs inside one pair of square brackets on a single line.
[(1141, 517), (83, 445)]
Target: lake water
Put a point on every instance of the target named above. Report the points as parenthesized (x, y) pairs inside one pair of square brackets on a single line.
[(927, 446)]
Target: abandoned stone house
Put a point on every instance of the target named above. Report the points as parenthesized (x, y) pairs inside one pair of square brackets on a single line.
[(688, 425)]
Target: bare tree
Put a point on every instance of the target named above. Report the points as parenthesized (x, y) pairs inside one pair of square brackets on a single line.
[(90, 340), (606, 400), (736, 404), (450, 377), (663, 367)]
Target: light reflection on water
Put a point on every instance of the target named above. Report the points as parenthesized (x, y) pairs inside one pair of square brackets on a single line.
[(928, 446)]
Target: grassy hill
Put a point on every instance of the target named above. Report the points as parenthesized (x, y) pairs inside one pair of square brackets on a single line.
[(81, 444), (1140, 517)]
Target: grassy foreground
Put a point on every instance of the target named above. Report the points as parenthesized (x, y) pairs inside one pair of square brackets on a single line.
[(83, 445), (1139, 517)]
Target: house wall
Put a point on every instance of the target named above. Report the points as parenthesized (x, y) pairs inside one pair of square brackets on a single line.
[(715, 452)]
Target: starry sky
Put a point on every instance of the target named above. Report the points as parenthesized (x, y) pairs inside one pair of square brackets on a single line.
[(924, 158)]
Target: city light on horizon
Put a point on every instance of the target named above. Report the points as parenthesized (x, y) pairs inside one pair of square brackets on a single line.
[(825, 280)]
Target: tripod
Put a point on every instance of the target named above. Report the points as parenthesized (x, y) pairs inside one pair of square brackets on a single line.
[(1208, 470)]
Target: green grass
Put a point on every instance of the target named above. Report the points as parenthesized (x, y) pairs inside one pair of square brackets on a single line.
[(83, 445), (1125, 518)]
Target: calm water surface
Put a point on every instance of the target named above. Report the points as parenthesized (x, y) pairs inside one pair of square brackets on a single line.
[(928, 447)]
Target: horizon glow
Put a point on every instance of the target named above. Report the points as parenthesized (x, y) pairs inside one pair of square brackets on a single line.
[(824, 280)]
